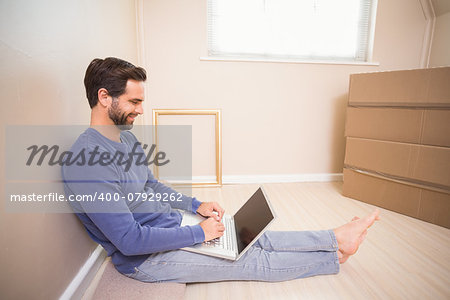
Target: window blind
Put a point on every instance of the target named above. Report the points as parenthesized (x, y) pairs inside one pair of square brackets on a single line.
[(292, 29)]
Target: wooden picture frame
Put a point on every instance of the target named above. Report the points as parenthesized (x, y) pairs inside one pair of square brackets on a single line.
[(218, 138)]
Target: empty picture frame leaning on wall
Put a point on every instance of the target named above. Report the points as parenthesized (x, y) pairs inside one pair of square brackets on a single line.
[(218, 139)]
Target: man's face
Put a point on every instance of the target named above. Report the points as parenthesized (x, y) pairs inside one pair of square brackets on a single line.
[(125, 108)]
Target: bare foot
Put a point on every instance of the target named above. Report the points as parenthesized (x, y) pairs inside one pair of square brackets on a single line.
[(349, 236), (343, 257)]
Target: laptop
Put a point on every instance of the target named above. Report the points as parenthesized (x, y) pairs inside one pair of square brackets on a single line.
[(242, 229)]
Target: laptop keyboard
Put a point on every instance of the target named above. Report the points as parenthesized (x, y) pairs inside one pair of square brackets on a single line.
[(225, 241)]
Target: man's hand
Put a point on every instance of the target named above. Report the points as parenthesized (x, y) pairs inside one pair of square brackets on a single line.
[(212, 229), (211, 209)]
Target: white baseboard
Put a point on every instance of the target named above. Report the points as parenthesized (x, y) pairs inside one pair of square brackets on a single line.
[(281, 178), (81, 281), (275, 178)]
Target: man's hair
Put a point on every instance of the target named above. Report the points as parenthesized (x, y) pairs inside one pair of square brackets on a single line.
[(112, 74)]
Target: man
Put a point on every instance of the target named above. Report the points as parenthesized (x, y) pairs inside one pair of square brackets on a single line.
[(143, 237)]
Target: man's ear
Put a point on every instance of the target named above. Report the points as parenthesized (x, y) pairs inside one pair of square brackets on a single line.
[(103, 97)]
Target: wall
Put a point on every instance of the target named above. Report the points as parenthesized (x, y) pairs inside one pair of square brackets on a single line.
[(45, 48), (440, 50), (278, 118)]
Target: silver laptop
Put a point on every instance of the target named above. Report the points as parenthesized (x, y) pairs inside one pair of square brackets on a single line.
[(242, 229)]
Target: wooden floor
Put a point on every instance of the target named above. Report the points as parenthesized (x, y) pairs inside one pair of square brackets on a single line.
[(401, 258)]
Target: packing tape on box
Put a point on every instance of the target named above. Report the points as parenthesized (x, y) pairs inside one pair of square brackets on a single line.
[(407, 181)]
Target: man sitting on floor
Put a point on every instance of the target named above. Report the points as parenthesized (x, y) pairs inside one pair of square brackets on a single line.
[(143, 238)]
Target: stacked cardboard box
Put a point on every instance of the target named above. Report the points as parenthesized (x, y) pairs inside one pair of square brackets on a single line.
[(398, 142)]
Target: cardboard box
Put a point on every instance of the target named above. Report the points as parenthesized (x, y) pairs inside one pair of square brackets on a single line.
[(398, 142), (428, 165), (406, 88), (436, 128), (416, 126), (410, 200)]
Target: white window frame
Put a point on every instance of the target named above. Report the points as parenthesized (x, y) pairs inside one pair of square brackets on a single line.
[(217, 56)]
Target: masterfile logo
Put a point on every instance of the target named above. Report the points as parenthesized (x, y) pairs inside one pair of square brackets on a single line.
[(36, 155), (97, 156)]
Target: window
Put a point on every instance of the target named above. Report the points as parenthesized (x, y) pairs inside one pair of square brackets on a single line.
[(317, 30)]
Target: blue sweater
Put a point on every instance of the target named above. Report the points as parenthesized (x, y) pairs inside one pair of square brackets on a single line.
[(128, 226)]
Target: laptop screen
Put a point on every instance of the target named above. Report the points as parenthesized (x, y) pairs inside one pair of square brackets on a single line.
[(251, 219)]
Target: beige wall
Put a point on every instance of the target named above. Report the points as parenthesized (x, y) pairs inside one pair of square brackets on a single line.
[(278, 118), (45, 48), (440, 50)]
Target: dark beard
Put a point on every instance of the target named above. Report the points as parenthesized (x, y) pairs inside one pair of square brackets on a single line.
[(119, 118)]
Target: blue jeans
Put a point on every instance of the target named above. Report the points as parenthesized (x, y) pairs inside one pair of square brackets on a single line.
[(276, 256)]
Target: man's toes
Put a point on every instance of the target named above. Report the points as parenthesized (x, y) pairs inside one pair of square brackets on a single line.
[(376, 214), (370, 219)]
